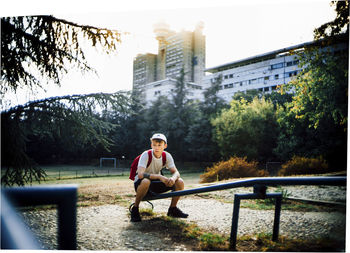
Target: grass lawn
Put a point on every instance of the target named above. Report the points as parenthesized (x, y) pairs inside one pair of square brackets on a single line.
[(109, 189)]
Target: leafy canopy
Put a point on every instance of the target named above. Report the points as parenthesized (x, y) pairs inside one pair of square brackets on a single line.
[(37, 47)]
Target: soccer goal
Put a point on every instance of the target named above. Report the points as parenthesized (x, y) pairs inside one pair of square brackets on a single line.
[(114, 160)]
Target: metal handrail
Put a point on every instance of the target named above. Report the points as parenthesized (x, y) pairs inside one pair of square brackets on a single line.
[(64, 196), (267, 181), (260, 186)]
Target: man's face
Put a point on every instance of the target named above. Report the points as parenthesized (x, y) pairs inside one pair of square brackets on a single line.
[(158, 146)]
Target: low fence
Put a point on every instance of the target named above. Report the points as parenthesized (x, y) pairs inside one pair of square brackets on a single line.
[(118, 168), (75, 171)]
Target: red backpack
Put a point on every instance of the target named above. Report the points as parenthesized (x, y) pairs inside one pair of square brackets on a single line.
[(135, 163)]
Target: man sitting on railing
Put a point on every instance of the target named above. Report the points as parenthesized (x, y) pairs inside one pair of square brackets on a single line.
[(149, 178)]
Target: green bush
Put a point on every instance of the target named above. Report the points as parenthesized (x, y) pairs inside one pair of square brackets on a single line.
[(303, 165), (235, 167)]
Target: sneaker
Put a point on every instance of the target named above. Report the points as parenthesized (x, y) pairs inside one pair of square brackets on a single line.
[(176, 212), (135, 214)]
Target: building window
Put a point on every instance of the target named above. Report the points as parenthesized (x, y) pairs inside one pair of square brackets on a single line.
[(276, 77), (253, 81), (228, 86), (292, 63), (294, 73), (266, 89), (231, 76), (277, 65), (291, 74)]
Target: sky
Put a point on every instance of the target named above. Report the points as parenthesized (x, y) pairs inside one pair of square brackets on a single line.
[(234, 30)]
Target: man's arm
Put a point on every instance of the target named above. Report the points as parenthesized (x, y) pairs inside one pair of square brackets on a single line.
[(141, 174), (175, 176)]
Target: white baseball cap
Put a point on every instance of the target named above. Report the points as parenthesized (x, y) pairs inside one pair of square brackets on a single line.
[(159, 137)]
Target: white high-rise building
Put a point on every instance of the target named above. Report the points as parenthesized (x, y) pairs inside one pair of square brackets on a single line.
[(156, 74)]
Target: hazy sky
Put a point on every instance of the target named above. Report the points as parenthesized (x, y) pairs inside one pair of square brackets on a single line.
[(233, 30)]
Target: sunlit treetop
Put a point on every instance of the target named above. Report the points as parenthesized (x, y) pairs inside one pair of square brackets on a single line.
[(37, 48), (339, 25)]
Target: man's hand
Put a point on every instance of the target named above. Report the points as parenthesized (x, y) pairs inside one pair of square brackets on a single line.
[(164, 179), (170, 182), (167, 181)]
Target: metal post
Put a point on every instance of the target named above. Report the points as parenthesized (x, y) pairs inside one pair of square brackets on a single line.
[(276, 222), (234, 227), (67, 213)]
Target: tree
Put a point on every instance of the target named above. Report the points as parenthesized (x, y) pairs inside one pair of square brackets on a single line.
[(247, 130), (314, 123), (35, 50), (202, 146), (339, 25), (153, 119), (37, 47), (249, 95), (178, 118), (212, 103), (320, 91), (69, 122), (278, 99)]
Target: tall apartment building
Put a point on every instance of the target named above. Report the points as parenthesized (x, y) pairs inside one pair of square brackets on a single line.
[(176, 51), (144, 69)]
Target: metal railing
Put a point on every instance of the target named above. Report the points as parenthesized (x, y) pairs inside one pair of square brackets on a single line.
[(64, 196), (260, 186)]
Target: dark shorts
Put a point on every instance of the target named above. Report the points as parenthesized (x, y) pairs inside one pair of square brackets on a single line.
[(155, 187)]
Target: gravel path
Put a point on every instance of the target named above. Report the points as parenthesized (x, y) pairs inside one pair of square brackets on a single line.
[(108, 227)]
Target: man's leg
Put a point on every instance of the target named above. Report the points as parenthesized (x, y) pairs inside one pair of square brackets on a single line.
[(179, 185), (173, 210), (142, 190)]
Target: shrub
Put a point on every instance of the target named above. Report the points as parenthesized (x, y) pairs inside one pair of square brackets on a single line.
[(235, 167), (302, 165)]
